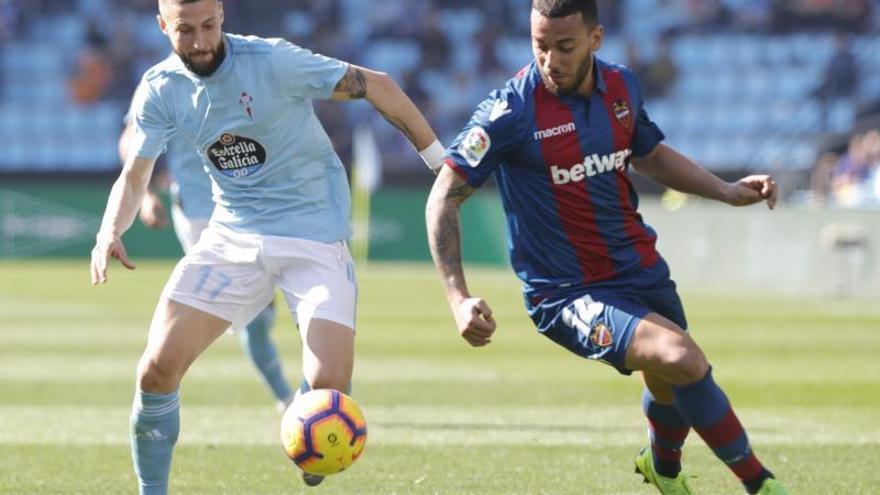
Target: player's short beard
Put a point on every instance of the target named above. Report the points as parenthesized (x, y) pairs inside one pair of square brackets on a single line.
[(205, 70), (583, 71)]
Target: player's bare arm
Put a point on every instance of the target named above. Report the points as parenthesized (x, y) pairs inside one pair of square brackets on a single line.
[(122, 206), (472, 315), (124, 138), (389, 100), (667, 166), (152, 212)]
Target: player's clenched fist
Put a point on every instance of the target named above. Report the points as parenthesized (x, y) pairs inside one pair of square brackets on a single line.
[(107, 246), (753, 189), (474, 320)]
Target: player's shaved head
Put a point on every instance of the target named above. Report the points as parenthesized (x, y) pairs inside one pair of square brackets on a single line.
[(565, 34), (194, 28), (564, 8)]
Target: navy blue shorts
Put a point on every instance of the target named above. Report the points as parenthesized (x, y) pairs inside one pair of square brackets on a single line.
[(598, 324)]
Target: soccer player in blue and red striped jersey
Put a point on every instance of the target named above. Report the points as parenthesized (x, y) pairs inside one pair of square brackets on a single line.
[(559, 139)]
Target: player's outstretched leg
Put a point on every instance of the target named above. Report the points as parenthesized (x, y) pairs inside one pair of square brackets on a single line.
[(328, 359), (178, 335), (707, 408), (259, 348), (660, 464), (155, 424), (662, 349), (666, 428), (308, 478)]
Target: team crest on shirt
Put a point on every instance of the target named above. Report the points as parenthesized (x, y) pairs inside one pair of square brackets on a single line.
[(475, 145), (236, 156), (247, 101), (601, 336), (622, 113)]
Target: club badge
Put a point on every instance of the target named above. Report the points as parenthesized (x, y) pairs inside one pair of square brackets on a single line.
[(622, 113), (601, 336), (247, 102)]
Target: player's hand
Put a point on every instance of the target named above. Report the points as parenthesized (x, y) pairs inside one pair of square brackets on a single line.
[(753, 189), (474, 320), (152, 212), (107, 246)]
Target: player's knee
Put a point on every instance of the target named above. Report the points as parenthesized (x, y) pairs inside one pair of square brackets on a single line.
[(685, 364), (154, 377)]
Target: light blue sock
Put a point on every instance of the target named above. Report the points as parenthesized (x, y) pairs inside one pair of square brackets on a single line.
[(257, 345), (304, 386), (155, 424)]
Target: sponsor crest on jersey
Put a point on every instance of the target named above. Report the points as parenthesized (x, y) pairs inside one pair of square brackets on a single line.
[(236, 156), (622, 113), (601, 336), (475, 146)]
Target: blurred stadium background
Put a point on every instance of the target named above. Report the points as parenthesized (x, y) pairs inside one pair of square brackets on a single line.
[(790, 87)]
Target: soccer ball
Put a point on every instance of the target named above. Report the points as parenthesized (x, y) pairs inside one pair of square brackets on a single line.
[(323, 431)]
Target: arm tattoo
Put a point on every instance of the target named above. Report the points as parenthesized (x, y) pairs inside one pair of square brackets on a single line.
[(397, 122), (446, 232), (447, 246), (353, 84)]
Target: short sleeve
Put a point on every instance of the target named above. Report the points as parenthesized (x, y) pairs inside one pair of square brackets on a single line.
[(486, 140), (152, 127), (647, 135), (303, 74)]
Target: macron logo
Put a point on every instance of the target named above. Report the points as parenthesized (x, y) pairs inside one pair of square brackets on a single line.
[(591, 166), (555, 131)]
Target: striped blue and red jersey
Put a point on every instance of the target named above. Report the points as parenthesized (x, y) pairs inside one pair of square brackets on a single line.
[(561, 165)]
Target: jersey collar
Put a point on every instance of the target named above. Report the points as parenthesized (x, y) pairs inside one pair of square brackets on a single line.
[(598, 78)]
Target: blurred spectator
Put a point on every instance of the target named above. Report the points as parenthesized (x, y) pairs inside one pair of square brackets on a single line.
[(839, 15), (93, 73), (487, 40), (820, 178), (434, 43), (658, 75), (634, 59), (610, 14), (841, 76), (853, 180), (9, 14), (752, 15), (9, 18), (708, 16), (92, 78)]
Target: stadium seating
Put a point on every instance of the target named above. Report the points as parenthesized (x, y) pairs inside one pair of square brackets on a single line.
[(740, 99)]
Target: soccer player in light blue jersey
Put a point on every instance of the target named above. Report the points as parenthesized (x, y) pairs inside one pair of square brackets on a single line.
[(282, 206), (190, 213)]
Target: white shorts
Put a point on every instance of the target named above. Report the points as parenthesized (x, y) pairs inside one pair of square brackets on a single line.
[(188, 230), (233, 276)]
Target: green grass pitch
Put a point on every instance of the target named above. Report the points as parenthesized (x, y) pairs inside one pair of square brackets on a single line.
[(518, 417)]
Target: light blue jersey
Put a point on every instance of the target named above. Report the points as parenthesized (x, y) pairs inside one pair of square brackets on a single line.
[(272, 164), (190, 182)]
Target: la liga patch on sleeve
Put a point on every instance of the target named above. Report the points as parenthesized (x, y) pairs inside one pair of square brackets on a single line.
[(475, 146)]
